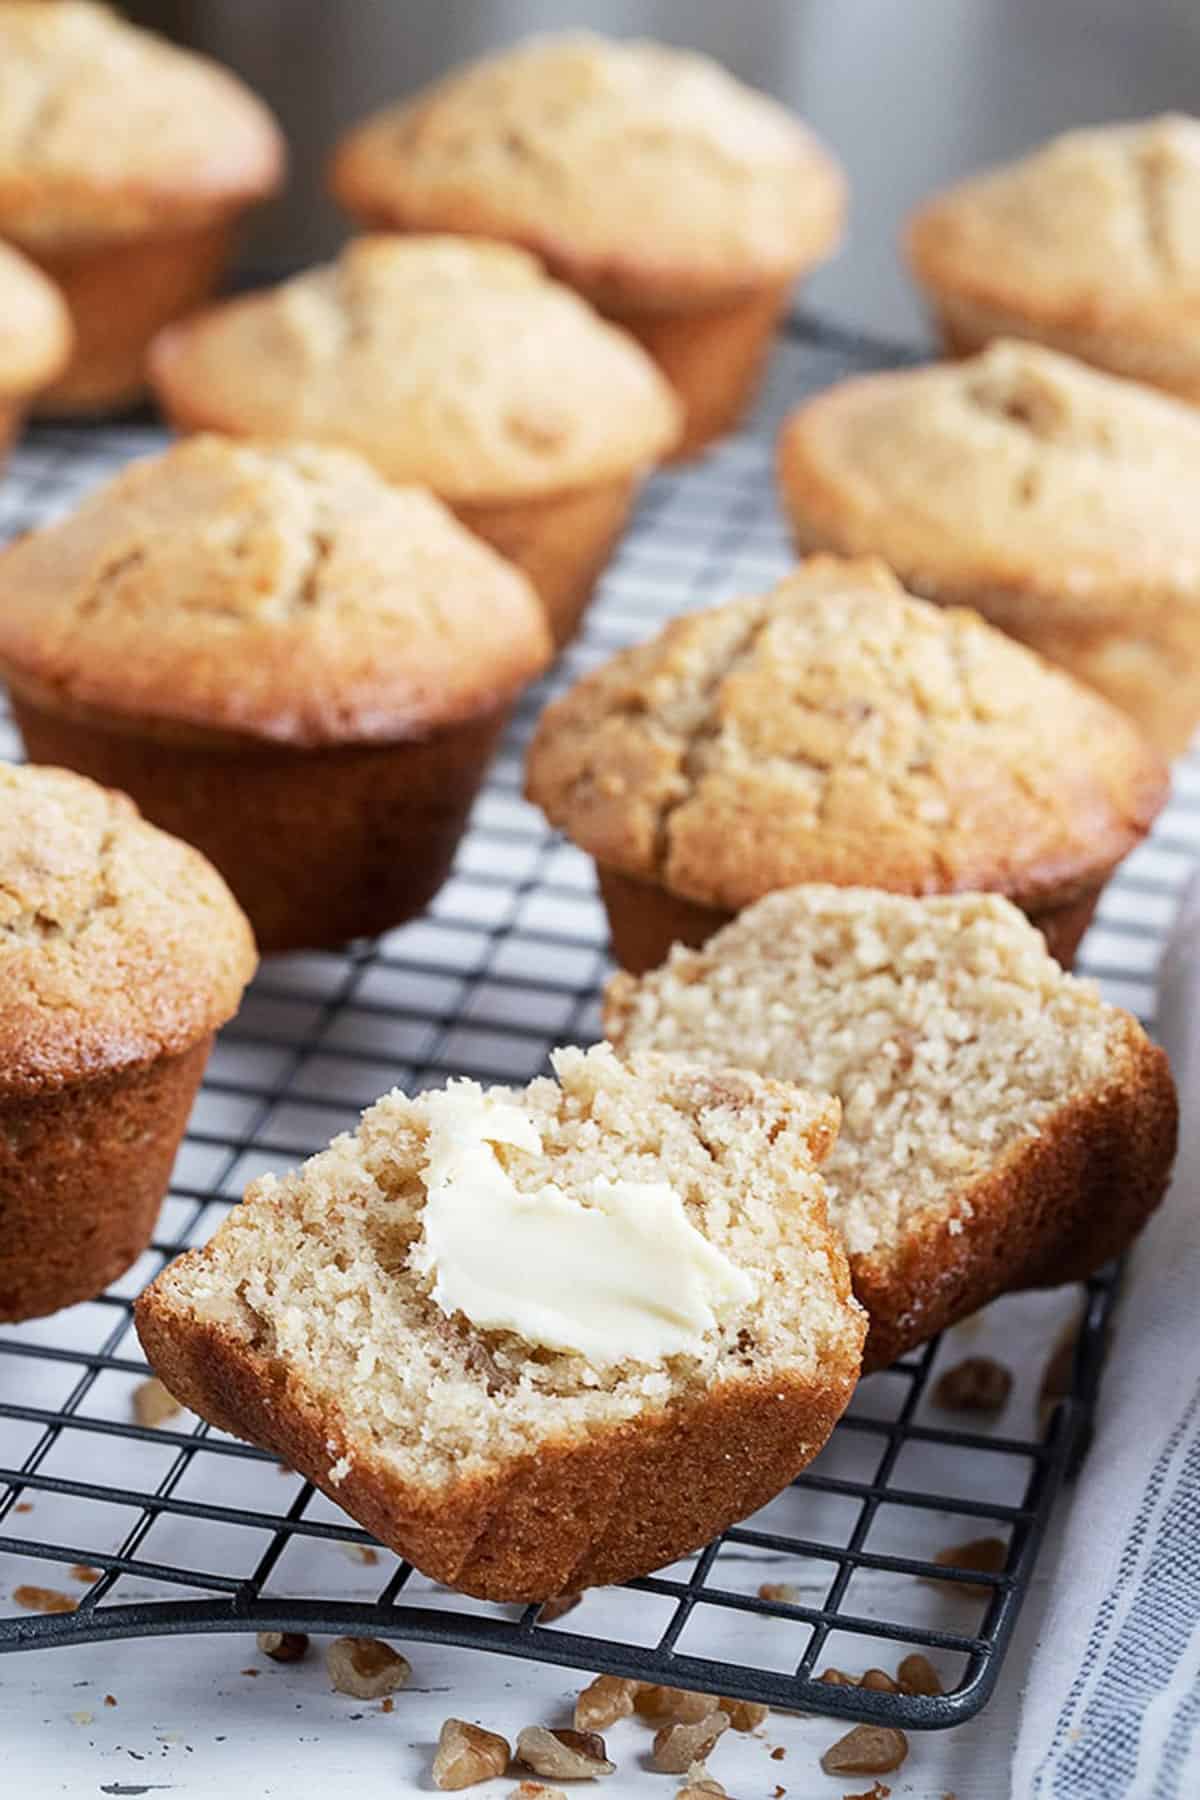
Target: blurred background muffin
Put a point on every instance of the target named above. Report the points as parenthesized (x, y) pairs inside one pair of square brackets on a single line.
[(1056, 500), (679, 202), (1087, 244), (1001, 76), (124, 166), (453, 363), (35, 339)]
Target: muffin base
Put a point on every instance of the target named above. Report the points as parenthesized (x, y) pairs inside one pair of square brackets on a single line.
[(645, 920), (967, 326), (319, 845), (119, 296), (714, 359), (586, 1511), (562, 543), (83, 1171)]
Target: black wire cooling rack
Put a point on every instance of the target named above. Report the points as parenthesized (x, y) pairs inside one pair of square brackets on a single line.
[(178, 1528)]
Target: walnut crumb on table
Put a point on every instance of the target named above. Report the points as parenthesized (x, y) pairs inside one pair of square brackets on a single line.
[(562, 1754), (43, 1600), (365, 1668), (283, 1646), (678, 1745), (361, 1553), (976, 1384), (467, 1754), (603, 1701), (153, 1404), (866, 1750), (84, 1572), (987, 1555), (678, 1705)]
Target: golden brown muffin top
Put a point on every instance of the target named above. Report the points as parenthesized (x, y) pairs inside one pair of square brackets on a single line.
[(35, 327), (838, 730), (1095, 229), (281, 592), (117, 942), (613, 160), (110, 132), (455, 364), (1019, 468)]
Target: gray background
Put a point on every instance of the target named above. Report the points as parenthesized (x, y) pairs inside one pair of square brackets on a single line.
[(909, 93)]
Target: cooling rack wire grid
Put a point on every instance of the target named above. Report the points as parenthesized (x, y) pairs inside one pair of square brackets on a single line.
[(184, 1529)]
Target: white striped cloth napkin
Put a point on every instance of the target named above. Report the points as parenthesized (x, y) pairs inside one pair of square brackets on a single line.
[(1111, 1708)]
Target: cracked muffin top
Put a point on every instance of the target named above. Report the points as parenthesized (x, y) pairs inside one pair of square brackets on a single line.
[(283, 592), (836, 729), (118, 943), (1095, 229), (616, 161), (1019, 468), (447, 362), (35, 327), (109, 132)]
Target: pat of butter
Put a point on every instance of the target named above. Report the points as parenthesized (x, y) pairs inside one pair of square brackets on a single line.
[(615, 1274)]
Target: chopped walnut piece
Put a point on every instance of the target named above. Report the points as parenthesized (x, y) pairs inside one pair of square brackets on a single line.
[(786, 1591), (550, 1610), (364, 1668), (867, 1750), (679, 1745), (877, 1791), (605, 1700), (679, 1705), (565, 1755), (110, 1699), (152, 1404), (836, 1678), (535, 1790), (466, 1754), (43, 1600), (700, 1785), (283, 1646), (976, 1384), (879, 1681), (84, 1572), (744, 1715), (917, 1675), (987, 1554)]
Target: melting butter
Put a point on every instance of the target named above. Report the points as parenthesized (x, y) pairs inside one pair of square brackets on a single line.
[(616, 1273)]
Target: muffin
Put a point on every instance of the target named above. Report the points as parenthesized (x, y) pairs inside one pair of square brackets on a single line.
[(286, 661), (35, 339), (455, 365), (1001, 1126), (1087, 245), (124, 166), (679, 202), (121, 951), (1054, 499), (454, 1322), (837, 730)]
